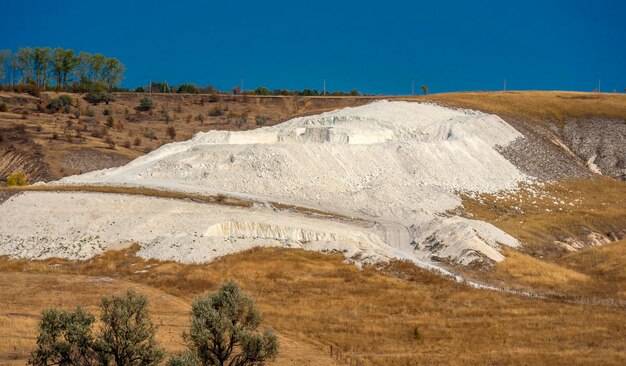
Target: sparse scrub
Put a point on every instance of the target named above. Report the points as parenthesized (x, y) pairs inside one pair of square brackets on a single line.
[(261, 120), (106, 111), (149, 134), (110, 122), (99, 96), (110, 141), (145, 104), (171, 132), (16, 179), (59, 103), (216, 112), (3, 107), (99, 132), (137, 141)]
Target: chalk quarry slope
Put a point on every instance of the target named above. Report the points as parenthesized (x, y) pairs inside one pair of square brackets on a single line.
[(394, 165)]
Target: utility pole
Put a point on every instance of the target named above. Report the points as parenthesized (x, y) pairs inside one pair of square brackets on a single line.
[(599, 86), (412, 87), (324, 92), (504, 84), (150, 87), (241, 84)]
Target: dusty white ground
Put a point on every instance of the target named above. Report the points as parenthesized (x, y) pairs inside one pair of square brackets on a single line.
[(395, 164)]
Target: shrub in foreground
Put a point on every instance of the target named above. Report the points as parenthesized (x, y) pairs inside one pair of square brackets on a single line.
[(126, 338), (223, 331)]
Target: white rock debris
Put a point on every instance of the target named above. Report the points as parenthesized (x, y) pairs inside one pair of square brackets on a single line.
[(394, 164)]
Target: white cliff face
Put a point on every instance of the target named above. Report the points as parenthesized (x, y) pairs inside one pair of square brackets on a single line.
[(397, 164)]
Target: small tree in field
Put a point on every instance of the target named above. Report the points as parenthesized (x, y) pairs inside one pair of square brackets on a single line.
[(424, 89), (223, 331), (64, 339), (128, 336)]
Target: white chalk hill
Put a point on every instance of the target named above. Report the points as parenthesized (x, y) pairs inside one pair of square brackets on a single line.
[(396, 165)]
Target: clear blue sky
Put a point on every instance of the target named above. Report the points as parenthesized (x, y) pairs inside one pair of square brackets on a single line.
[(374, 46)]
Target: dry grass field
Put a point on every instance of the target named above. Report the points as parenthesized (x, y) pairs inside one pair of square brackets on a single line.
[(395, 315), (538, 106), (559, 225)]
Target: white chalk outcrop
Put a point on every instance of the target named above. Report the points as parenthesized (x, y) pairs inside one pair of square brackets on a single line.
[(395, 164)]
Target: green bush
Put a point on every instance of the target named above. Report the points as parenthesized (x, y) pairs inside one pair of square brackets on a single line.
[(3, 107), (188, 89), (64, 339), (62, 102), (261, 90), (16, 179), (126, 337), (99, 96), (145, 104), (223, 331)]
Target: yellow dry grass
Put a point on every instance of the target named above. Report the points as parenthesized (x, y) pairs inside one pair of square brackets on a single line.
[(137, 191), (538, 106), (371, 315), (537, 273), (607, 263), (548, 219), (539, 215)]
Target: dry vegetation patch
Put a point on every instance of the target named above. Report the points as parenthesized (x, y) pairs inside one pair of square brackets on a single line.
[(538, 107), (551, 218), (559, 225), (395, 315)]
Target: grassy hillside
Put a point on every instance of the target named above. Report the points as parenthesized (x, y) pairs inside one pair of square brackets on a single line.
[(538, 106), (390, 315), (396, 315)]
